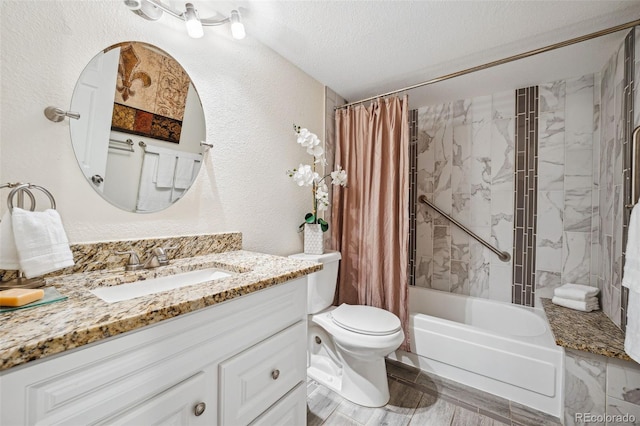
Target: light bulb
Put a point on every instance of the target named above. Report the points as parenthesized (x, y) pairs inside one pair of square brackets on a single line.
[(237, 28), (192, 21)]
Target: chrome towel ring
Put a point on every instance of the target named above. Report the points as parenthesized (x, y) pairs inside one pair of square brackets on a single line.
[(22, 190), (25, 187)]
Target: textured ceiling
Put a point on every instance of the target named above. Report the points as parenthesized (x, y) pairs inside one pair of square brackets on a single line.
[(363, 48)]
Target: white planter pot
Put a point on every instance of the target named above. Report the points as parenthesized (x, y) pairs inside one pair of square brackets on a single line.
[(313, 239)]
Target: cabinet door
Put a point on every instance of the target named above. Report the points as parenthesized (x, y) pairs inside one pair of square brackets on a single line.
[(291, 410), (181, 404), (256, 378)]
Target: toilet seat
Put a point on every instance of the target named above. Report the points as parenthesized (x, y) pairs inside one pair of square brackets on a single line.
[(366, 320)]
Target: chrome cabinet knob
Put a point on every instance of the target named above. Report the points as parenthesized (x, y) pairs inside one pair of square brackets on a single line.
[(275, 374), (199, 408)]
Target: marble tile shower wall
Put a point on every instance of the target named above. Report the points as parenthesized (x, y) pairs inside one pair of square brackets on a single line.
[(567, 244), (465, 166), (600, 386), (611, 183)]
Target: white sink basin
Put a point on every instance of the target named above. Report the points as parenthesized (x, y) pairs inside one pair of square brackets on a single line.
[(118, 293)]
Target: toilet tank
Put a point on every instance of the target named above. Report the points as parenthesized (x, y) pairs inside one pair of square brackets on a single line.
[(321, 284)]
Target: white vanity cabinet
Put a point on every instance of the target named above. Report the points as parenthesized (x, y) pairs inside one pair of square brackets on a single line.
[(235, 363)]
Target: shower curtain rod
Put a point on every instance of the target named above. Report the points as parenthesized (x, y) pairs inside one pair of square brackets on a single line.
[(502, 61)]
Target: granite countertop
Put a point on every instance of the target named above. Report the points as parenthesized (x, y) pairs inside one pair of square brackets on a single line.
[(585, 331), (31, 334)]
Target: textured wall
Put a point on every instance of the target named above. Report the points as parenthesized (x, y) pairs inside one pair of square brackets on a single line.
[(251, 96)]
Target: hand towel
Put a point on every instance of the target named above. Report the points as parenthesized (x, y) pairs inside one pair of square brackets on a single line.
[(42, 244), (632, 335), (8, 252), (166, 170), (150, 197), (184, 173), (576, 292), (631, 276), (591, 304)]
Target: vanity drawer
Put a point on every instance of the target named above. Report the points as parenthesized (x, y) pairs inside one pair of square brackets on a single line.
[(183, 404), (291, 410), (256, 378)]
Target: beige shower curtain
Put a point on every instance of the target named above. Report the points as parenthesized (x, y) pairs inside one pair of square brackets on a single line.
[(371, 216)]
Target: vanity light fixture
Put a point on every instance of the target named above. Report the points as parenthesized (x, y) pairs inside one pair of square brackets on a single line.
[(237, 28), (192, 21), (154, 9)]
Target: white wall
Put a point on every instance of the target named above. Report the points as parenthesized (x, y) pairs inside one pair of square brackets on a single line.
[(251, 96)]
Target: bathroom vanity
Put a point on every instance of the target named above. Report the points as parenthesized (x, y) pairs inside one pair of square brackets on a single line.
[(195, 355)]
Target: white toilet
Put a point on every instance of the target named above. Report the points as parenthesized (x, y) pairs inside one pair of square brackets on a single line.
[(347, 344)]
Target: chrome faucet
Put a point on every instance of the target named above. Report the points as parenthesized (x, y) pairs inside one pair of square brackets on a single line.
[(133, 264), (157, 257)]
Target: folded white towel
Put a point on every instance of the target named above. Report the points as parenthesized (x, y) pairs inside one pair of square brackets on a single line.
[(631, 276), (166, 170), (184, 173), (632, 335), (41, 242), (591, 304), (576, 292), (8, 252)]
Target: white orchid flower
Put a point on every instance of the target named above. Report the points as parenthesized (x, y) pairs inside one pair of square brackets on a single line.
[(304, 175), (339, 176), (313, 140), (321, 160), (316, 151), (322, 196), (303, 135)]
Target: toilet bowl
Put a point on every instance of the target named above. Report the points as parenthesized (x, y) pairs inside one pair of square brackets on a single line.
[(347, 343)]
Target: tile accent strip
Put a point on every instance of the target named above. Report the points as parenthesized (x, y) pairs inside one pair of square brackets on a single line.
[(525, 201), (413, 192), (629, 71)]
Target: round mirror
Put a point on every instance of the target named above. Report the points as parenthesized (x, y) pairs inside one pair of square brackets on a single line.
[(139, 138)]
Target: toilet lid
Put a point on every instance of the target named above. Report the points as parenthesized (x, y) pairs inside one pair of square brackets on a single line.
[(365, 319)]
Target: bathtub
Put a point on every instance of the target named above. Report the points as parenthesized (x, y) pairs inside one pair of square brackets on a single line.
[(498, 347)]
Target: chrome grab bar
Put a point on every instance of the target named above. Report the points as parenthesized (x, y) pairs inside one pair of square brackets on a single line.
[(502, 255), (635, 167)]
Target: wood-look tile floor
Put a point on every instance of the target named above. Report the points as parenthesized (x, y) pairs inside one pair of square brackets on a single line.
[(419, 399)]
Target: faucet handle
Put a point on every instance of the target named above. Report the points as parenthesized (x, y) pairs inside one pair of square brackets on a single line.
[(134, 261), (161, 254)]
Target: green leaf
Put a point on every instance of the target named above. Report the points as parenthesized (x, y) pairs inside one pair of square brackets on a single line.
[(310, 218), (323, 225)]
